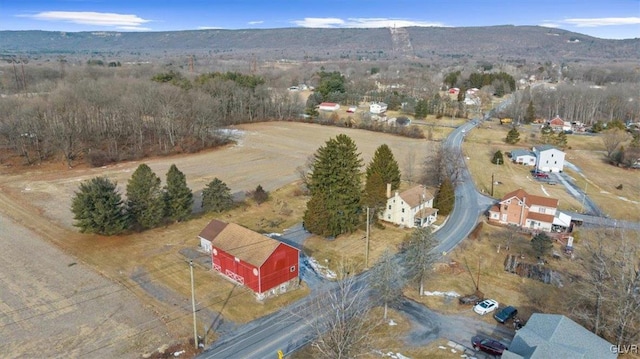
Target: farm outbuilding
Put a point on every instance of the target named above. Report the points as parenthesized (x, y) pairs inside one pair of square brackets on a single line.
[(265, 265)]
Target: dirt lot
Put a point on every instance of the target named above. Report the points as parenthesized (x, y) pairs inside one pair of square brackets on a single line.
[(149, 267)]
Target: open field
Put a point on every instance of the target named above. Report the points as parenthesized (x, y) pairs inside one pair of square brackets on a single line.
[(584, 152), (151, 265)]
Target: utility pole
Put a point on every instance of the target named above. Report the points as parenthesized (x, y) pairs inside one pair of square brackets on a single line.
[(366, 253), (193, 307)]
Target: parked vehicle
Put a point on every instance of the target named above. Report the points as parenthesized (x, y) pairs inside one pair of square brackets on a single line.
[(470, 299), (505, 314), (486, 306), (488, 345), (541, 175)]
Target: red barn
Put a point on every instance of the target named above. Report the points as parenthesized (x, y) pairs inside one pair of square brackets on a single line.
[(264, 264)]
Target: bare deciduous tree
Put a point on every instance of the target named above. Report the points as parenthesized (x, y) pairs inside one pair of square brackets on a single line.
[(420, 257), (343, 325), (386, 279), (612, 138)]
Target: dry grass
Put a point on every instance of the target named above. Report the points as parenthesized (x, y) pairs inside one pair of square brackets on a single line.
[(602, 178), (350, 248), (486, 265)]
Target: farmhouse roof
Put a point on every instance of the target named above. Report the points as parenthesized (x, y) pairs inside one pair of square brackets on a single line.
[(542, 148), (540, 217), (520, 152), (331, 104), (556, 336), (557, 121), (531, 199), (416, 195), (243, 243)]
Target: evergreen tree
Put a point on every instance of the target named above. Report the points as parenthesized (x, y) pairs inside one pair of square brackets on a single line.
[(98, 208), (498, 158), (542, 244), (145, 200), (260, 195), (445, 198), (216, 197), (375, 191), (513, 136), (178, 196), (335, 177), (561, 140), (422, 108), (386, 166), (547, 134), (530, 114)]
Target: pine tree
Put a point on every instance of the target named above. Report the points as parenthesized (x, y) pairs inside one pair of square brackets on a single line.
[(530, 115), (145, 200), (547, 134), (178, 196), (385, 164), (445, 198), (513, 136), (216, 197), (498, 158), (542, 244), (561, 140), (260, 195), (98, 208), (375, 191), (335, 177)]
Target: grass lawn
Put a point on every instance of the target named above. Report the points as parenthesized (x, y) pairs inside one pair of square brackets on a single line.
[(478, 260), (598, 177)]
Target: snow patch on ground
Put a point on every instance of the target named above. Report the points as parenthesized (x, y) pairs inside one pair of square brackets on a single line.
[(322, 270), (392, 323), (441, 294), (628, 200), (273, 235), (392, 355), (544, 190), (605, 192)]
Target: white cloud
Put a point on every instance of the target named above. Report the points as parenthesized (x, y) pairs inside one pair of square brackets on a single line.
[(361, 22), (129, 21), (255, 22), (603, 21), (550, 24), (319, 22), (134, 28), (210, 28)]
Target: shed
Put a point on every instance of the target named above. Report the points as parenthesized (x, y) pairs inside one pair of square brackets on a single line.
[(328, 106), (265, 265)]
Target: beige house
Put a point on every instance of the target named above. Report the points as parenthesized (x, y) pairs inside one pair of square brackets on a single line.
[(410, 208)]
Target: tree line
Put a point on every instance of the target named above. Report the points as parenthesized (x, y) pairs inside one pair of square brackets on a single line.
[(110, 119), (98, 206)]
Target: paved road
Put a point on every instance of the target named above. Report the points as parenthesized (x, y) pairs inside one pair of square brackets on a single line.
[(289, 329)]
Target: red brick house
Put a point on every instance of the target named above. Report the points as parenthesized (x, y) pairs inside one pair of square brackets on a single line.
[(529, 211), (265, 265)]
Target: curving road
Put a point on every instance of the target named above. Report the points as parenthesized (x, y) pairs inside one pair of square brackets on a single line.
[(291, 327)]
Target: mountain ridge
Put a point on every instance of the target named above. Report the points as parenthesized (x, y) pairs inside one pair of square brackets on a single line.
[(490, 42)]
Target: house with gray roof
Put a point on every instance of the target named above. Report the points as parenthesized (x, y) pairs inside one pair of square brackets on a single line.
[(523, 157), (549, 158), (556, 336)]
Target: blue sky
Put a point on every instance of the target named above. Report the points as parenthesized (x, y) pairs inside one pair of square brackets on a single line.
[(611, 19)]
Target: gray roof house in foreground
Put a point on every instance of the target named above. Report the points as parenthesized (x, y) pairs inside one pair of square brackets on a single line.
[(556, 336)]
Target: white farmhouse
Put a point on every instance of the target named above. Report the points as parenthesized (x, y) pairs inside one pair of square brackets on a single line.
[(378, 108), (411, 208), (523, 157), (549, 158)]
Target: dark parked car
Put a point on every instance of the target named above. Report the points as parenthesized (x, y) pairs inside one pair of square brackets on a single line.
[(488, 345), (505, 314), (472, 299)]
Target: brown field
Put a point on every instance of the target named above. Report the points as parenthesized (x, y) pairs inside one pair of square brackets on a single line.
[(585, 152), (150, 264)]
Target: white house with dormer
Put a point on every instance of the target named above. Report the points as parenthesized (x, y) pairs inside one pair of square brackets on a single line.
[(410, 208), (549, 158)]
